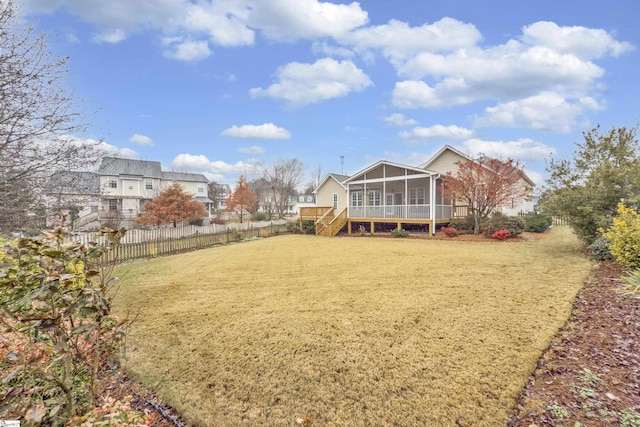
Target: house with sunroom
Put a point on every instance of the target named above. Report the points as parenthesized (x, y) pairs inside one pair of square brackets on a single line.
[(387, 194)]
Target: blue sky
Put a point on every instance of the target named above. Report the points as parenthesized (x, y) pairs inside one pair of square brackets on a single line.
[(223, 87)]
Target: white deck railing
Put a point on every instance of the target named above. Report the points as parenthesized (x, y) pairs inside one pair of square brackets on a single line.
[(399, 211)]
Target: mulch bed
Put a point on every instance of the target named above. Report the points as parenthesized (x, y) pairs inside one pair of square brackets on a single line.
[(590, 374)]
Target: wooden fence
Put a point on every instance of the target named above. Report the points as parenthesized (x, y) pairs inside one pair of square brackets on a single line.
[(142, 235), (167, 246)]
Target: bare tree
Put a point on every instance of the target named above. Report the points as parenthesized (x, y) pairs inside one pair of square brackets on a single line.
[(316, 177), (37, 120), (284, 176)]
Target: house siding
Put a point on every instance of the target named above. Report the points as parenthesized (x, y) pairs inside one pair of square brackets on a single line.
[(325, 194), (446, 162)]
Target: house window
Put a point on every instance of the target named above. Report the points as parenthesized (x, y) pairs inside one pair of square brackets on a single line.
[(113, 183), (374, 198), (148, 184), (416, 196), (335, 200), (113, 204), (356, 199), (200, 189), (389, 199)]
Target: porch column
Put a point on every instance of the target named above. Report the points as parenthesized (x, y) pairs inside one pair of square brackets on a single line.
[(432, 202)]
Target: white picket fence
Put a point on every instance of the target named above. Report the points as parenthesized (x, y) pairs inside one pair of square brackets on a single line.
[(150, 235)]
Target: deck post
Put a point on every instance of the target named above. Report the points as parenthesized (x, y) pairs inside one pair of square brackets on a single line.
[(349, 227), (372, 227), (399, 227)]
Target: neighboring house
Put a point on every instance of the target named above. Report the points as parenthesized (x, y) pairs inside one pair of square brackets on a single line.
[(393, 194), (295, 203), (121, 187)]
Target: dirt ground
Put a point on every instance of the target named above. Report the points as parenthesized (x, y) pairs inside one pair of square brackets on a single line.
[(589, 376)]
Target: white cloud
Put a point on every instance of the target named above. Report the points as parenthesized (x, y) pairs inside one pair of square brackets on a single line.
[(186, 50), (418, 94), (305, 19), (587, 43), (263, 131), (327, 78), (325, 49), (547, 111), (548, 66), (141, 140), (522, 149), (397, 40), (223, 21), (219, 169), (112, 150), (438, 131), (117, 19), (110, 36), (254, 149), (398, 119), (102, 147)]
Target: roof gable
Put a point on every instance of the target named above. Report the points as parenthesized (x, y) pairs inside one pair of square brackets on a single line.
[(340, 179), (386, 162), (447, 149)]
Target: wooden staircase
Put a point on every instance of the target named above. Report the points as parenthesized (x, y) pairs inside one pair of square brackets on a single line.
[(330, 224)]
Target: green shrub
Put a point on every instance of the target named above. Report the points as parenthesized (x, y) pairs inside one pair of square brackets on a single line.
[(599, 249), (309, 227), (260, 216), (462, 225), (399, 232), (537, 223), (197, 221), (499, 221), (624, 236)]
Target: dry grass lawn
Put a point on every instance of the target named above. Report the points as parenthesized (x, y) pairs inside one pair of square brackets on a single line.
[(349, 331)]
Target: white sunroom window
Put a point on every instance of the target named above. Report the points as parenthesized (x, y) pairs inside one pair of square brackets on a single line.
[(374, 198), (416, 196), (356, 199)]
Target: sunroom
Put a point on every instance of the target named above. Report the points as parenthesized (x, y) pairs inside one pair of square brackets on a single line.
[(390, 192)]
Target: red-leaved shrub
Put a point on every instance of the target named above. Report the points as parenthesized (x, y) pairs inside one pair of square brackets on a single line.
[(449, 231), (501, 234)]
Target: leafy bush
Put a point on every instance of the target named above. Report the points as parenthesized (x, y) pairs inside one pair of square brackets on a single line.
[(309, 227), (218, 221), (624, 235), (462, 225), (399, 232), (599, 249), (449, 231), (57, 329), (197, 221), (501, 234), (537, 223), (260, 216), (499, 221)]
